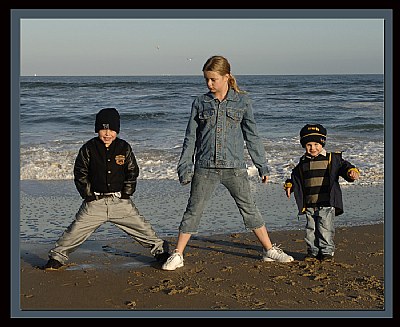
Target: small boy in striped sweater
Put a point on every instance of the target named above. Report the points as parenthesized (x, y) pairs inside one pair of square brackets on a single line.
[(315, 184)]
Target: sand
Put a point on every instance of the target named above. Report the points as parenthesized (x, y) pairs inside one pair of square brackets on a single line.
[(223, 275)]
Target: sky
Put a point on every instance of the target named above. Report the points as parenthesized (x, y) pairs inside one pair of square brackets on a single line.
[(112, 46)]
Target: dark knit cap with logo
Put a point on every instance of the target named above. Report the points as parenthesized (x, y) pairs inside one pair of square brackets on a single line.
[(107, 118), (313, 133)]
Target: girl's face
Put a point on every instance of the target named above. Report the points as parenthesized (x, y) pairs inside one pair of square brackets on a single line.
[(313, 148), (107, 136), (216, 83)]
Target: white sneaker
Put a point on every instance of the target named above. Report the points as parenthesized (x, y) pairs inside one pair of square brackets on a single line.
[(276, 254), (173, 262)]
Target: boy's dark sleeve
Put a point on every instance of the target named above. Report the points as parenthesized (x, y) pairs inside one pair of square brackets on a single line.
[(344, 167), (289, 183), (81, 174), (131, 174)]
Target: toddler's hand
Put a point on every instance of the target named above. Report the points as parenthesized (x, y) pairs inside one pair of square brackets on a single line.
[(353, 174), (287, 191)]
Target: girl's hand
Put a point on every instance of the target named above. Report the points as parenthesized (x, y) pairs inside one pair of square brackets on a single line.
[(265, 179)]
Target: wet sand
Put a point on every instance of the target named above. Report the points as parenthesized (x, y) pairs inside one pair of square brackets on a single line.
[(223, 276)]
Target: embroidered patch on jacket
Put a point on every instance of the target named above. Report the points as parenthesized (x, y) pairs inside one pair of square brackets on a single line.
[(120, 159)]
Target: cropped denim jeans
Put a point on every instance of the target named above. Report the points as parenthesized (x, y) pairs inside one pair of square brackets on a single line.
[(320, 230), (204, 182)]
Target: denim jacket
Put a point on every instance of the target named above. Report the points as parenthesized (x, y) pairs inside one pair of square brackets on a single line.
[(216, 133)]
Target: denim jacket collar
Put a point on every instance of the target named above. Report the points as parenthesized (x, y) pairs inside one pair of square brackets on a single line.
[(231, 96)]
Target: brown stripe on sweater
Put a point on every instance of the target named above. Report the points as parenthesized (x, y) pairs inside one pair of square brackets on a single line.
[(316, 181), (317, 164)]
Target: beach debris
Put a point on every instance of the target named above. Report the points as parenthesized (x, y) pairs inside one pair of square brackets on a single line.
[(215, 279), (227, 268), (220, 306), (374, 254), (131, 303), (321, 276), (318, 289)]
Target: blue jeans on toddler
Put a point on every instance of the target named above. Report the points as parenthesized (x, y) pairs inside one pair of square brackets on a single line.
[(204, 182), (320, 231)]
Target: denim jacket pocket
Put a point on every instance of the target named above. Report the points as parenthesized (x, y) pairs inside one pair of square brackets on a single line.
[(234, 117), (207, 117), (206, 114)]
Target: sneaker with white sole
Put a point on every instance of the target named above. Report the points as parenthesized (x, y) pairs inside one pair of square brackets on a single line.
[(173, 262), (276, 254)]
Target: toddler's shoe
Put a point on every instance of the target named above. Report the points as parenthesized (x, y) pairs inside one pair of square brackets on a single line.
[(311, 257), (326, 257)]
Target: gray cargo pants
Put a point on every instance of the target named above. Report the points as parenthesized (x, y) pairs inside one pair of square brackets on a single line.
[(91, 215)]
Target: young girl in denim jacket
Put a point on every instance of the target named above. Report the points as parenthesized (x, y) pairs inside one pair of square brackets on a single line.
[(220, 123)]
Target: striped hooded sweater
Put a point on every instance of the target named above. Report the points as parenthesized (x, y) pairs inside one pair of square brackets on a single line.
[(315, 181)]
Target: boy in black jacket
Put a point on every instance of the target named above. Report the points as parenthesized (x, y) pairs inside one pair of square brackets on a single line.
[(315, 183), (105, 174)]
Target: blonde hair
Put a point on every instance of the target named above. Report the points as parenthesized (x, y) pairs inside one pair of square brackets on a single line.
[(221, 65)]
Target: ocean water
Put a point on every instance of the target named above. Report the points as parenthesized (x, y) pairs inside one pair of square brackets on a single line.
[(57, 116)]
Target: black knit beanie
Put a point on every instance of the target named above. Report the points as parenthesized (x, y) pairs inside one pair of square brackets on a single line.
[(313, 133), (107, 118)]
